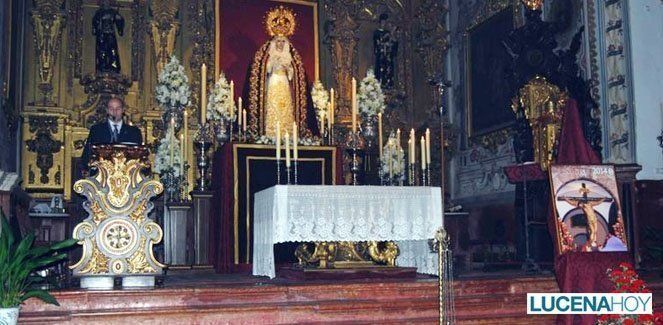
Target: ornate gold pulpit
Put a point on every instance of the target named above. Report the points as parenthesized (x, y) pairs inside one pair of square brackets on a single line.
[(118, 236)]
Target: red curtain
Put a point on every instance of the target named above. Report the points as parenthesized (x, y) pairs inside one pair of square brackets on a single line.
[(242, 29)]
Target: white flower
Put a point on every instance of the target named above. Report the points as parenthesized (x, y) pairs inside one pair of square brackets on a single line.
[(173, 88), (163, 161), (320, 98), (370, 98), (219, 103), (393, 159)]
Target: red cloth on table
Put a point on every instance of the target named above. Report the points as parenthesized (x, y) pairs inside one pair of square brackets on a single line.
[(578, 271), (221, 228)]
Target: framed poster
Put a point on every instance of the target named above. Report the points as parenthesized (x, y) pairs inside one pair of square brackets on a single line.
[(588, 215), (488, 92)]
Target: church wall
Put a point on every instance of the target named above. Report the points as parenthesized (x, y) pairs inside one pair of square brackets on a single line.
[(646, 33), (412, 103)]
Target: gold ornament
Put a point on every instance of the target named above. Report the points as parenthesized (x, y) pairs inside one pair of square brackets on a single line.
[(280, 21), (533, 4)]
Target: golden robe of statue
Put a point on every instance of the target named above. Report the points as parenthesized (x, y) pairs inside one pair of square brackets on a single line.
[(277, 84)]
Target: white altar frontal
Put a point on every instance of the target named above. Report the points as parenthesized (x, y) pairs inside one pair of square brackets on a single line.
[(303, 213)]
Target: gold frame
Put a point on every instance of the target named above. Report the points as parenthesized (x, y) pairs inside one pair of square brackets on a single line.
[(236, 185), (480, 20), (316, 41)]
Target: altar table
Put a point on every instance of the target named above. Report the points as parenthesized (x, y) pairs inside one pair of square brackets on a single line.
[(239, 170), (299, 213)]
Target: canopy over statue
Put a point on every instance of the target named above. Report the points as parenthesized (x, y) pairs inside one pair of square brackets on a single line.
[(277, 91)]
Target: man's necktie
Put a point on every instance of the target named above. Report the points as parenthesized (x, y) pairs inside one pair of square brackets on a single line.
[(115, 133)]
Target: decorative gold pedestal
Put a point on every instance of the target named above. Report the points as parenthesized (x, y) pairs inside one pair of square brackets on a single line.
[(347, 254)]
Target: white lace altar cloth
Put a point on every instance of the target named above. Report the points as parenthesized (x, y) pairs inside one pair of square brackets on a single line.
[(306, 213)]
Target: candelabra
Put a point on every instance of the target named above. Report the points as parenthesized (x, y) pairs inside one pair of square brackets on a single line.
[(203, 141), (170, 183)]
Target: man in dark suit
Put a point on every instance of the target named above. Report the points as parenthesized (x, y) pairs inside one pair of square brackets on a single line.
[(111, 130)]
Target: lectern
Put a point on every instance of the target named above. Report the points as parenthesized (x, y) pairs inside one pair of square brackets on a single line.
[(117, 236)]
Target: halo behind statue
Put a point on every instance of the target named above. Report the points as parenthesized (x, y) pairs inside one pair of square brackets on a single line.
[(280, 21)]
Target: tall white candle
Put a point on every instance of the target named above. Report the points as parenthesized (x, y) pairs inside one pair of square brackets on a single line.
[(240, 107), (278, 141), (398, 138), (423, 153), (333, 107), (232, 100), (295, 140), (186, 129), (244, 120), (410, 151), (329, 116), (354, 105), (182, 153), (428, 146), (287, 149), (203, 94), (172, 140), (380, 133), (322, 123), (411, 145)]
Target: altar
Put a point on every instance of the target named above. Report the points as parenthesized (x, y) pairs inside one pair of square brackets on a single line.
[(295, 213), (239, 171)]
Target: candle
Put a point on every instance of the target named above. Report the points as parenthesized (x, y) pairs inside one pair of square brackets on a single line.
[(172, 139), (329, 116), (181, 154), (411, 145), (423, 153), (354, 105), (409, 151), (322, 123), (278, 141), (398, 138), (232, 91), (333, 107), (203, 94), (287, 149), (243, 120), (239, 103), (380, 133), (186, 130), (295, 140), (428, 146)]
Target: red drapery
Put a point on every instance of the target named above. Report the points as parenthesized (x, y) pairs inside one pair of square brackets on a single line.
[(242, 32), (578, 271)]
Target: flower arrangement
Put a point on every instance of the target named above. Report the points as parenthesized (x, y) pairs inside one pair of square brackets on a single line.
[(220, 104), (392, 163), (370, 97), (172, 88), (320, 98), (626, 280), (167, 157)]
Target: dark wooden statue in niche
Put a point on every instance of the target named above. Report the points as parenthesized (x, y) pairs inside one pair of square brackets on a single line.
[(385, 49), (104, 24)]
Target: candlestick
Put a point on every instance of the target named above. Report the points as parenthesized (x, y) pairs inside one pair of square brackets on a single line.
[(181, 154), (203, 94), (171, 135), (354, 105), (380, 133), (428, 146), (295, 140), (244, 120), (398, 138), (186, 129), (333, 107), (423, 153), (287, 150)]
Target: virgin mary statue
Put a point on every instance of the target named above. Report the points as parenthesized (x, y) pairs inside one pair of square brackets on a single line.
[(277, 92)]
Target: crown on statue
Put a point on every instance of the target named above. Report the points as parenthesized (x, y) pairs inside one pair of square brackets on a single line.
[(533, 4), (280, 21)]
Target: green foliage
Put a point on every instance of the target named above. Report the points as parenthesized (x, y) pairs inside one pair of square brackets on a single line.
[(18, 263)]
